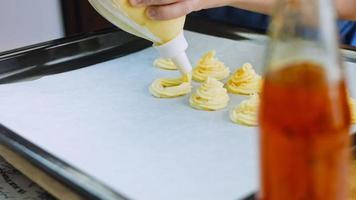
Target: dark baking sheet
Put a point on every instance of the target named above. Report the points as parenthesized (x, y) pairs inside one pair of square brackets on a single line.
[(70, 54), (56, 57)]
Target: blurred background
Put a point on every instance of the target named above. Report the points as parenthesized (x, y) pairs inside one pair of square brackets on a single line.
[(26, 22)]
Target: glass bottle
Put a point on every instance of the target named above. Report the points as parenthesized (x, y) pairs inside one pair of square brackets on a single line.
[(304, 114)]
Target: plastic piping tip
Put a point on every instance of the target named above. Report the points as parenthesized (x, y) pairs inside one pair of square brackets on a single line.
[(175, 49)]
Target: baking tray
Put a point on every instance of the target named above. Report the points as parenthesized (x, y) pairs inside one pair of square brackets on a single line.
[(59, 56), (74, 53)]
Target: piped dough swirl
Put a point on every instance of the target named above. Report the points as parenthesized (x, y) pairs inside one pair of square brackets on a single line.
[(210, 66), (244, 81), (165, 63), (171, 87), (210, 96), (246, 112)]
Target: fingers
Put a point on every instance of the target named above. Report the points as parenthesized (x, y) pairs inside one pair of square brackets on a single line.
[(172, 11), (152, 2)]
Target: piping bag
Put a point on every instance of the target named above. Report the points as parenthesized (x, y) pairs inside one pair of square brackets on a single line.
[(167, 36)]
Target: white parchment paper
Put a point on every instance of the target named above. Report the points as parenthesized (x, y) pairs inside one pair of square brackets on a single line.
[(102, 120)]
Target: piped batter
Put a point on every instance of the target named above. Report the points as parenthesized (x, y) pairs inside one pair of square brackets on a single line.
[(210, 66), (171, 87), (244, 81), (210, 96), (246, 112)]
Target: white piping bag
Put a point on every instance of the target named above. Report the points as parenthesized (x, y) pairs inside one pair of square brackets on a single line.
[(167, 36)]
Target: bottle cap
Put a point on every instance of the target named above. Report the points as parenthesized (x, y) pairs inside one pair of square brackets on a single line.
[(175, 49)]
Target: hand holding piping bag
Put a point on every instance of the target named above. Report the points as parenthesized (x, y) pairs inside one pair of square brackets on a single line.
[(161, 21), (167, 35), (170, 9)]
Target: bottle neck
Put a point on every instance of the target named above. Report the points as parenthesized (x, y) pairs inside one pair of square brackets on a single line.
[(304, 30)]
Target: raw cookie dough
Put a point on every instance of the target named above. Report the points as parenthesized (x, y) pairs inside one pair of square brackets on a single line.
[(246, 112), (165, 63), (210, 66), (171, 87), (210, 96), (244, 81), (352, 103)]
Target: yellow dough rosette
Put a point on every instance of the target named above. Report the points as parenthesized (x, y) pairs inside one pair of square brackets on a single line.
[(244, 81), (210, 96), (246, 112), (210, 66), (171, 87), (352, 103), (165, 63)]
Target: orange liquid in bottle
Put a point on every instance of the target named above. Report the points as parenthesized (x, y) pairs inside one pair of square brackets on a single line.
[(304, 130)]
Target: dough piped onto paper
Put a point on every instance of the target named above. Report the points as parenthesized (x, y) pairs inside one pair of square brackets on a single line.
[(171, 87), (165, 63), (210, 96), (246, 112), (244, 81), (210, 66)]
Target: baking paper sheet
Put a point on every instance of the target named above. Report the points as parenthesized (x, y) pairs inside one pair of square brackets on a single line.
[(102, 120)]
